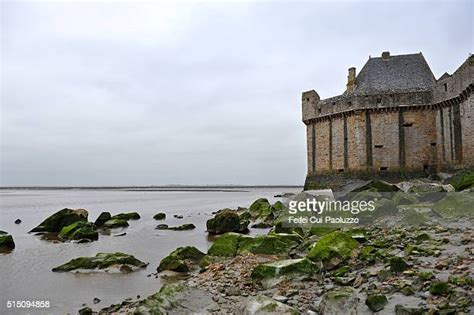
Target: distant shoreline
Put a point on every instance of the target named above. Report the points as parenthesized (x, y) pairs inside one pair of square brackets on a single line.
[(215, 188)]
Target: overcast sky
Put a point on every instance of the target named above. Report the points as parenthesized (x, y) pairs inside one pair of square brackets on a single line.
[(118, 93)]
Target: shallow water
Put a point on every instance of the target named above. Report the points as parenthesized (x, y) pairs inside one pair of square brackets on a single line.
[(25, 273)]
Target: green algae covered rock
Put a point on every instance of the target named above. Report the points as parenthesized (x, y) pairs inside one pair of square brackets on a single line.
[(102, 218), (115, 223), (463, 180), (208, 260), (376, 302), (398, 264), (173, 298), (6, 242), (339, 301), (439, 288), (272, 244), (231, 244), (333, 249), (183, 227), (101, 261), (60, 219), (126, 216), (181, 259), (225, 246), (260, 208), (227, 220), (79, 230), (159, 216), (455, 205), (289, 267)]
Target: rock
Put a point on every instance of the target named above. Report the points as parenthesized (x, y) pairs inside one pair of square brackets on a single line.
[(126, 216), (208, 259), (162, 227), (183, 227), (86, 311), (333, 249), (178, 216), (159, 216), (260, 208), (290, 267), (60, 219), (462, 180), (6, 242), (378, 186), (96, 300), (102, 218), (265, 305), (120, 234), (376, 302), (18, 221), (339, 301), (407, 291), (398, 264), (455, 205), (272, 244), (405, 310), (115, 223), (227, 220), (181, 259), (78, 231), (231, 244), (101, 262), (175, 298), (439, 288)]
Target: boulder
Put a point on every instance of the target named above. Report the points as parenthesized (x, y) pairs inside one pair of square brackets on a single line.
[(339, 301), (103, 262), (60, 219), (6, 242), (261, 305), (102, 218), (181, 259), (376, 302), (159, 216), (290, 267), (126, 216), (408, 310), (175, 298), (162, 227), (260, 208), (333, 249), (462, 180), (227, 220), (225, 246), (18, 221), (231, 244), (115, 223), (79, 230)]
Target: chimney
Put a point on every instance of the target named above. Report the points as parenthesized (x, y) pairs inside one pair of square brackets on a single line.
[(351, 79), (386, 55)]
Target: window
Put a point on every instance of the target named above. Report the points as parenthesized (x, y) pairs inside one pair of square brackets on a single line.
[(349, 103), (379, 100), (433, 144), (333, 103), (407, 124), (446, 87), (319, 110), (384, 168), (378, 146), (341, 170), (425, 167)]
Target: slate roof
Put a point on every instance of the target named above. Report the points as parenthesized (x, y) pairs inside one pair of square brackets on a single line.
[(402, 73)]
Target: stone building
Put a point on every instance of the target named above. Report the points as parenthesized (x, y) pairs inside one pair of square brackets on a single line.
[(394, 119)]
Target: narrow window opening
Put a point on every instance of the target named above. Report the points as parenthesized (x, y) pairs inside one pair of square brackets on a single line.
[(408, 125), (319, 110), (341, 170), (379, 100), (384, 168), (433, 144), (425, 167), (349, 103), (378, 146), (446, 87), (333, 103)]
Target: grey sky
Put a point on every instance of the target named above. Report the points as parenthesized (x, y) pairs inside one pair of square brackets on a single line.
[(206, 93)]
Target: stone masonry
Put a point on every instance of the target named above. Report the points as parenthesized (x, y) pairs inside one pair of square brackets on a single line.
[(395, 119)]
